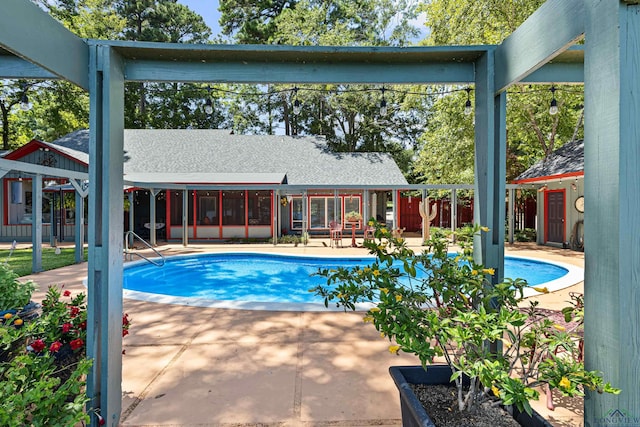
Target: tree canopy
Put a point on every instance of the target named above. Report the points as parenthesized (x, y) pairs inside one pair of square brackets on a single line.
[(532, 133), (423, 127)]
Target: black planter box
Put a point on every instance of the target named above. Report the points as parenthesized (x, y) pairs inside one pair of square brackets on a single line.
[(414, 414)]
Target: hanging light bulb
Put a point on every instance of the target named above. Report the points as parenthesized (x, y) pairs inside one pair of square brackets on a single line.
[(296, 104), (24, 102), (467, 105), (383, 108), (208, 106), (383, 104), (553, 108)]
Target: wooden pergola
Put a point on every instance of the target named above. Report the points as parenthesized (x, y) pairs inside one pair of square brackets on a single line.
[(541, 50)]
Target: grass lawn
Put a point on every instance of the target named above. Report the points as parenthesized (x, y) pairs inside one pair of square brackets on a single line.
[(21, 261)]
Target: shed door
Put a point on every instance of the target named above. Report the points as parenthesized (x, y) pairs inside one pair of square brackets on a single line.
[(555, 216)]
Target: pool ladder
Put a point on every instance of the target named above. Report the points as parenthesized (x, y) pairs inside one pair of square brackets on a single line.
[(131, 236)]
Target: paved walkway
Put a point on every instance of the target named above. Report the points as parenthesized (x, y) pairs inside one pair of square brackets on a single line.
[(189, 366)]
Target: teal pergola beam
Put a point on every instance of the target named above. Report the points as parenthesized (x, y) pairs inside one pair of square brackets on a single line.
[(12, 67), (29, 32), (244, 72), (558, 73), (555, 26)]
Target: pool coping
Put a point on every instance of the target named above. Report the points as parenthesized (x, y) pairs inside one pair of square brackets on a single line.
[(574, 276)]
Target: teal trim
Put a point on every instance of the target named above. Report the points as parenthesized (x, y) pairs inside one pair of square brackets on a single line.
[(612, 206), (12, 67), (297, 72), (31, 33), (490, 170), (555, 26), (104, 333), (558, 73), (36, 224)]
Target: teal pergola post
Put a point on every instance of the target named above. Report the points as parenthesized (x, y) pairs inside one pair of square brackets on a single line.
[(612, 206), (104, 328), (490, 167), (79, 228), (36, 224), (152, 216)]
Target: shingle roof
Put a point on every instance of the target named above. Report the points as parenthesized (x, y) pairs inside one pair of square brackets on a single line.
[(71, 152), (568, 159), (306, 160)]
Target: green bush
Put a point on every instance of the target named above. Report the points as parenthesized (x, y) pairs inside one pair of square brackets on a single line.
[(14, 294), (526, 235), (452, 310)]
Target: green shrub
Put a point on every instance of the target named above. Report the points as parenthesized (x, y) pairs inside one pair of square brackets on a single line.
[(452, 310), (526, 235), (14, 294)]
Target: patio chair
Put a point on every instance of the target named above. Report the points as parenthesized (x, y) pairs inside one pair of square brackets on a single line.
[(369, 231), (335, 233)]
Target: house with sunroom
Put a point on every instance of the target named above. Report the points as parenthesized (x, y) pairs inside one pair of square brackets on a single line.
[(207, 185), (559, 180)]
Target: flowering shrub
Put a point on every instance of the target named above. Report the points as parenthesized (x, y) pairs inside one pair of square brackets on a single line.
[(43, 372), (451, 310)]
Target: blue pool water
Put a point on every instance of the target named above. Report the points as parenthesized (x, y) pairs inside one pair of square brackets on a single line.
[(272, 278)]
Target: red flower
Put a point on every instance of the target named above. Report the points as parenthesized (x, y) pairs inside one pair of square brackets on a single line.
[(83, 325), (66, 293), (76, 344), (74, 311), (55, 346), (66, 327), (125, 332), (37, 345)]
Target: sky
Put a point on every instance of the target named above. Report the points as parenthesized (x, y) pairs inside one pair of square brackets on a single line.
[(208, 9)]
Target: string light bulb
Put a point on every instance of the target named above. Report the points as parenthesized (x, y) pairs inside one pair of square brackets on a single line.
[(467, 105), (24, 102), (296, 104), (208, 105), (383, 104), (553, 108)]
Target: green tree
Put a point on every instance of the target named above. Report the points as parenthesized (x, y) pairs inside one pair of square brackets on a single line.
[(13, 94), (251, 22), (349, 116), (532, 133), (157, 105), (93, 19)]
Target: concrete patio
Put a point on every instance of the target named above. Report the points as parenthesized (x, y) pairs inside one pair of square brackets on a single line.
[(191, 366)]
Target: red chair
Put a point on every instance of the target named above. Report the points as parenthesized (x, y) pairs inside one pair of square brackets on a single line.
[(335, 234), (369, 231)]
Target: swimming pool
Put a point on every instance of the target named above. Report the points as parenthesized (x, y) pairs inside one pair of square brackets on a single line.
[(259, 281)]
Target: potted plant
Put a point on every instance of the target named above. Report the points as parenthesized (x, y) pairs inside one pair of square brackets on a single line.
[(436, 305), (353, 216)]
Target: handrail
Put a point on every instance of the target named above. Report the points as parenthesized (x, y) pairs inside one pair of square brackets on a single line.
[(128, 251)]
